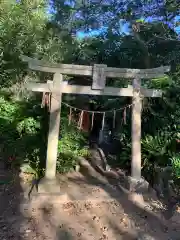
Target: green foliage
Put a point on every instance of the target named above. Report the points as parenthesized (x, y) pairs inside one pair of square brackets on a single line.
[(21, 26), (161, 83), (71, 145), (28, 126), (20, 134), (8, 111), (156, 148), (24, 142), (175, 160)]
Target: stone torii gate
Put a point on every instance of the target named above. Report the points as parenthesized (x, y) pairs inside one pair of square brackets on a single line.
[(99, 73)]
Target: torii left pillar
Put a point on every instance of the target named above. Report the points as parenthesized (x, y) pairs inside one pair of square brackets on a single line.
[(49, 183)]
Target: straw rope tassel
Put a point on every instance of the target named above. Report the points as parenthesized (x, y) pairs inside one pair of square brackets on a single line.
[(124, 115), (81, 119), (114, 119), (82, 115), (70, 115), (49, 100), (43, 100), (103, 120), (92, 121)]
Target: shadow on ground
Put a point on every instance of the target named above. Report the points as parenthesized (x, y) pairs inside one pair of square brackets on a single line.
[(11, 218), (149, 222), (95, 207)]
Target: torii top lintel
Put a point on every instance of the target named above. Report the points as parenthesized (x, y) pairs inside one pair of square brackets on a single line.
[(70, 69)]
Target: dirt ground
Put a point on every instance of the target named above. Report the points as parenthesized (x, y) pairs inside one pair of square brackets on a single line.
[(88, 208)]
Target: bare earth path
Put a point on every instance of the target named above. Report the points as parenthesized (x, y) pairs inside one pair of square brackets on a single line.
[(89, 209)]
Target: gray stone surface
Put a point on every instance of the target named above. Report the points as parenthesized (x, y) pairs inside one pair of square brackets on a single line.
[(138, 186), (145, 237), (48, 186)]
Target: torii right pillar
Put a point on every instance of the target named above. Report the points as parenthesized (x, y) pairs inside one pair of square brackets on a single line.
[(136, 183), (136, 130)]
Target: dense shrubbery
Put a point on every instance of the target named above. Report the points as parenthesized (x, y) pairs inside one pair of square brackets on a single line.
[(159, 150), (71, 145), (24, 126), (20, 133), (160, 131)]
